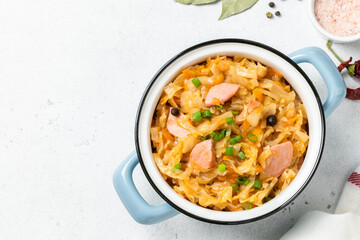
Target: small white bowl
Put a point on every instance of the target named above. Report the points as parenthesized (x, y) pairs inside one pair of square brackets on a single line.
[(326, 34)]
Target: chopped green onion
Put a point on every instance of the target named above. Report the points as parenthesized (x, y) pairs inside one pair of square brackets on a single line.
[(221, 167), (196, 82), (242, 155), (267, 199), (247, 182), (206, 114), (229, 151), (220, 107), (235, 188), (247, 205), (235, 112), (232, 141), (197, 116), (252, 137), (257, 184), (222, 133), (230, 120), (215, 136), (241, 180), (218, 136), (205, 138), (176, 167), (235, 140)]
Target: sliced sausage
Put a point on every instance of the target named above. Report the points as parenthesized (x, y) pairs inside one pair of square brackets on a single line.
[(280, 159), (220, 93), (203, 154), (173, 127)]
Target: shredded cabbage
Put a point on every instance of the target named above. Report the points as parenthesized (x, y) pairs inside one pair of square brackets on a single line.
[(262, 92)]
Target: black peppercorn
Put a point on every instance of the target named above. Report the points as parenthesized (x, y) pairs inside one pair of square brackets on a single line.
[(271, 4), (271, 120), (277, 13), (175, 112)]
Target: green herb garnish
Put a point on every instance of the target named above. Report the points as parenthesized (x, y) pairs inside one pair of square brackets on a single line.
[(221, 167), (206, 114), (176, 167), (229, 151), (235, 112), (247, 205), (196, 82), (205, 138), (247, 182), (252, 137), (197, 116), (241, 180), (235, 140), (235, 188), (241, 155), (230, 120), (257, 184)]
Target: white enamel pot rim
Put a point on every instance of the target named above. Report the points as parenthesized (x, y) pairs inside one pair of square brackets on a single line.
[(230, 47)]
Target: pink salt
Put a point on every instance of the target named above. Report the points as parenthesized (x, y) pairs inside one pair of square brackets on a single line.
[(339, 17)]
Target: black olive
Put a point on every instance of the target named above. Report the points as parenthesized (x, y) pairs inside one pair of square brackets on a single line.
[(175, 112), (271, 120)]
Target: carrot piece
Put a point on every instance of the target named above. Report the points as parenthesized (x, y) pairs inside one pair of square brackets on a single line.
[(219, 79), (245, 125), (226, 157), (167, 135), (276, 72), (188, 73), (202, 71), (259, 168), (216, 101), (287, 88), (217, 60), (257, 131), (258, 94), (224, 65)]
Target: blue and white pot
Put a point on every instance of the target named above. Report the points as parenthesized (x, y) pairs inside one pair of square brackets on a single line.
[(144, 213)]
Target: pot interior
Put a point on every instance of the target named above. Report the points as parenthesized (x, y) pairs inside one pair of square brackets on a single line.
[(255, 51)]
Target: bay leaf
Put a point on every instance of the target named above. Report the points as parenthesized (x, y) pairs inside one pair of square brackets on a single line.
[(195, 2), (231, 7)]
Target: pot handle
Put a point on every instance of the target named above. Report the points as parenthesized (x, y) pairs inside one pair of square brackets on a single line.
[(328, 71), (138, 208)]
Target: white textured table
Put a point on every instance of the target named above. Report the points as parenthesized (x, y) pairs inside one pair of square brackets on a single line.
[(72, 74)]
